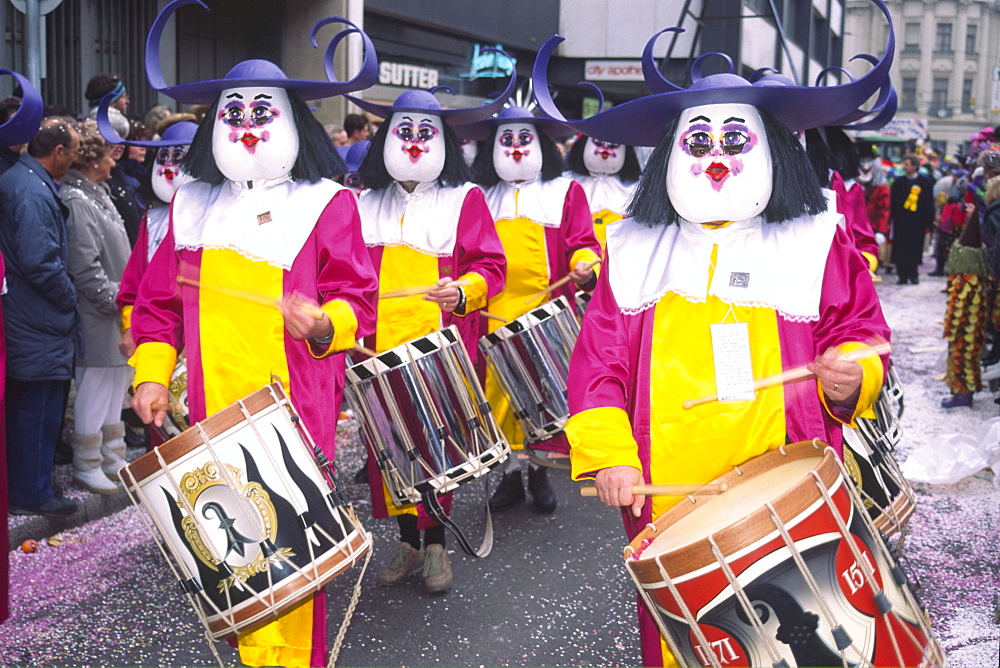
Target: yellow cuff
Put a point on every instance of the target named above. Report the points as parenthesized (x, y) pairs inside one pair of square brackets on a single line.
[(873, 377), (600, 438), (585, 255), (154, 362), (126, 316), (872, 261), (345, 327), (475, 292)]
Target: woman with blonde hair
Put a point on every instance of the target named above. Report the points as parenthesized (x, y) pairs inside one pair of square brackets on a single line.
[(99, 249)]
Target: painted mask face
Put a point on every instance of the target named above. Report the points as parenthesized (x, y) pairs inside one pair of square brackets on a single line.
[(720, 164), (167, 178), (600, 157), (414, 147), (254, 136), (517, 155)]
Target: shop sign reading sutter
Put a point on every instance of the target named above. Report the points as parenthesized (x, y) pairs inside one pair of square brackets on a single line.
[(613, 70), (407, 76)]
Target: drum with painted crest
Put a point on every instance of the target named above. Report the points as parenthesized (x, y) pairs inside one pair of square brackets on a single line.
[(530, 357), (247, 513), (784, 568), (425, 417)]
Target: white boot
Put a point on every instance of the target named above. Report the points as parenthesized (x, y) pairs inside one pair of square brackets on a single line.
[(87, 463), (113, 449)]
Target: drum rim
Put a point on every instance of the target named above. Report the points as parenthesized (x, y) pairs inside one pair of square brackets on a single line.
[(404, 351), (527, 321), (190, 439), (744, 531)]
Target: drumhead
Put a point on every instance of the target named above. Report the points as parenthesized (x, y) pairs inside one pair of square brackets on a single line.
[(718, 512), (402, 354), (532, 318)]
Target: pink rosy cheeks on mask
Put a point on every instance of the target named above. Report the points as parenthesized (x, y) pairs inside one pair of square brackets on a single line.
[(242, 120), (167, 160), (518, 142), (605, 150), (415, 137), (734, 139)]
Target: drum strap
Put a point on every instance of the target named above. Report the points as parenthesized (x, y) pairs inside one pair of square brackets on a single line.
[(434, 509)]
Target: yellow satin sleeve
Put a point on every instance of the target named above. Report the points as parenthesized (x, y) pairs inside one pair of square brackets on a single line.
[(154, 362), (872, 261), (345, 328), (600, 438), (126, 316), (872, 380), (585, 255), (475, 292)]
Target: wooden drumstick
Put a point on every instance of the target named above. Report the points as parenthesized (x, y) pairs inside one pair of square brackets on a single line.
[(797, 373), (263, 300), (157, 406), (558, 284), (667, 490), (415, 290), (494, 317)]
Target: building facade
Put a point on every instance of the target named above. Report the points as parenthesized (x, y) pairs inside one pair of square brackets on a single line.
[(945, 67)]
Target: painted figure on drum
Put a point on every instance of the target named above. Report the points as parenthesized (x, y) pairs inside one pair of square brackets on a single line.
[(608, 172), (424, 223), (544, 223), (728, 268), (259, 227)]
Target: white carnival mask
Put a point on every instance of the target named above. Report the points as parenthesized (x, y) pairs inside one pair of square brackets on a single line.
[(720, 164), (414, 147), (254, 137), (517, 155), (600, 157), (167, 176)]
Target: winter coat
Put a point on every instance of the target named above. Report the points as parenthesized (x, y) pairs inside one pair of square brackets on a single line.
[(40, 305), (98, 251)]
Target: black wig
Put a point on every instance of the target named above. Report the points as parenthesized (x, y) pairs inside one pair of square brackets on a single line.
[(486, 172), (795, 191), (629, 173), (376, 177), (831, 149), (317, 158)]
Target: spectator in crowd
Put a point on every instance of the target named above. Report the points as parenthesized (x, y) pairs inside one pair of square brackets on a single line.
[(357, 128), (153, 117), (108, 84), (337, 134), (98, 251), (40, 316), (123, 187), (913, 213)]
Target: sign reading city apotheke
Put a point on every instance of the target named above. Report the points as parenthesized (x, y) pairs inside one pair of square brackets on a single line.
[(613, 70), (407, 76)]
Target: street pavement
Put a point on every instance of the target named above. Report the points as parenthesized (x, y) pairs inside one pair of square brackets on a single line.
[(553, 592)]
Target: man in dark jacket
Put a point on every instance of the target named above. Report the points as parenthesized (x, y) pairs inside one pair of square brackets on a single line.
[(912, 211), (40, 317)]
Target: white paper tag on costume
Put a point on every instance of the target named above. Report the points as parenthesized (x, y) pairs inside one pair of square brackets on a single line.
[(733, 370)]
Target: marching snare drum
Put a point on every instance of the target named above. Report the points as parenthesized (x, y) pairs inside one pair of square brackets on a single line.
[(425, 416), (530, 357), (249, 523), (784, 568), (177, 415), (885, 493)]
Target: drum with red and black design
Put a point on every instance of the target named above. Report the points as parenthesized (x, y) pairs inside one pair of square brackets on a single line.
[(784, 568)]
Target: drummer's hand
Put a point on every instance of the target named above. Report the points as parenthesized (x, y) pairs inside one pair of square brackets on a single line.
[(840, 379), (446, 298), (304, 319), (582, 273), (146, 396), (126, 344), (614, 487)]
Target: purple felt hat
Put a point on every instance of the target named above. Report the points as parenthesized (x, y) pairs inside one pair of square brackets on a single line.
[(259, 73), (480, 131), (178, 134), (423, 101), (640, 122), (23, 125)]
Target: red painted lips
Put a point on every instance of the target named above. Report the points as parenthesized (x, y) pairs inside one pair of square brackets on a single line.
[(249, 139), (517, 155), (717, 171), (414, 151)]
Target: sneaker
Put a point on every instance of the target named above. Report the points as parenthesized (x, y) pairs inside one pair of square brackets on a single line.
[(958, 400), (405, 562), (57, 505), (437, 570)]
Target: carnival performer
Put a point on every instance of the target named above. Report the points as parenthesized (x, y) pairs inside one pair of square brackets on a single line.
[(607, 172), (871, 176), (260, 216), (969, 307), (544, 223), (728, 242), (424, 222)]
